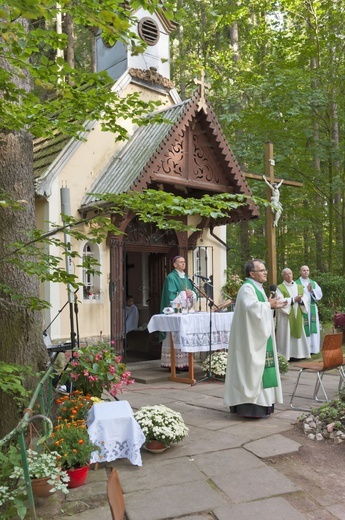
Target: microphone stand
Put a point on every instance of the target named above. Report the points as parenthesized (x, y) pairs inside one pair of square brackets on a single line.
[(209, 376)]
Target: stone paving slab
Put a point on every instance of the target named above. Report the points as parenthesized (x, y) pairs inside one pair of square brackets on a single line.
[(338, 510), (272, 446), (224, 462), (173, 501), (251, 430), (257, 483), (97, 513), (268, 509), (209, 441), (165, 472)]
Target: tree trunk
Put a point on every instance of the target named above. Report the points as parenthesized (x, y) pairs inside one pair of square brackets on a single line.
[(21, 328)]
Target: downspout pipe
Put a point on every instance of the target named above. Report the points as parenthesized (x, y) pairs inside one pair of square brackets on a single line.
[(66, 210), (219, 239)]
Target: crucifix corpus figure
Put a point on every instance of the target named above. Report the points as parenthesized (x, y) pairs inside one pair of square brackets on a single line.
[(277, 207)]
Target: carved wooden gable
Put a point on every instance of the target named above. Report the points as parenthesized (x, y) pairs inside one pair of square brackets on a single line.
[(195, 159)]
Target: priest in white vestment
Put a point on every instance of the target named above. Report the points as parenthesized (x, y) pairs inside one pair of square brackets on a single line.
[(292, 341), (252, 382), (312, 294)]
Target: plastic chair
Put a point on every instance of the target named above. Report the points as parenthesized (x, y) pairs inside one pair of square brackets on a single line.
[(115, 497), (332, 358)]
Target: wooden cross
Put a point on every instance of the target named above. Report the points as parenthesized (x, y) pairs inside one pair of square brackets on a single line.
[(271, 229), (203, 85)]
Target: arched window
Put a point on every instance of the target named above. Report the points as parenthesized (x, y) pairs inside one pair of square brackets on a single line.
[(91, 281)]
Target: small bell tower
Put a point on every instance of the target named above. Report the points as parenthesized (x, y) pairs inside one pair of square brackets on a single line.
[(154, 29)]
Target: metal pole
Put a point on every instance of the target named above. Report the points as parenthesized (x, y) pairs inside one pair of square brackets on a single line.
[(66, 210)]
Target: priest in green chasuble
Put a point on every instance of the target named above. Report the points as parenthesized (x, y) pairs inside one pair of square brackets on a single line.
[(292, 335), (312, 294), (252, 382), (178, 290)]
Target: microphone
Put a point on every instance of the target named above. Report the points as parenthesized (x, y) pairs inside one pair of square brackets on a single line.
[(204, 278), (273, 289)]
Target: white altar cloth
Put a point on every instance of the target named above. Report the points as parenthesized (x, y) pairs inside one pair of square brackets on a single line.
[(191, 332), (113, 428)]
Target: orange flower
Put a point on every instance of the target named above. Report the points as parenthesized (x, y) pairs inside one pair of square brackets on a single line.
[(81, 441)]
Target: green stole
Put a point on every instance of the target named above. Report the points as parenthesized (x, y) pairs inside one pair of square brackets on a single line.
[(294, 321), (269, 377), (312, 312)]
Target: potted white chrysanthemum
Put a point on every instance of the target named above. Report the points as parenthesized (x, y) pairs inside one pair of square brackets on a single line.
[(217, 367), (162, 424)]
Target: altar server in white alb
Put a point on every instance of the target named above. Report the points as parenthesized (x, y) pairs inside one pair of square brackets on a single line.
[(292, 341), (312, 294), (252, 382)]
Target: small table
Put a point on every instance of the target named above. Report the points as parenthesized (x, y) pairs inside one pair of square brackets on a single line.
[(191, 333), (113, 428)]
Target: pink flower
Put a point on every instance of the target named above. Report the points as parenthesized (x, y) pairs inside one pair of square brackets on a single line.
[(98, 357), (86, 373)]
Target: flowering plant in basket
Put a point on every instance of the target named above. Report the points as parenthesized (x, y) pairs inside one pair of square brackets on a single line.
[(96, 368), (161, 423), (219, 361)]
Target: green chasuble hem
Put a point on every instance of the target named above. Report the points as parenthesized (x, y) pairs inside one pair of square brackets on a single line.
[(296, 322), (312, 313)]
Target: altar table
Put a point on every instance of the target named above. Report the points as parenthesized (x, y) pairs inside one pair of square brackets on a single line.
[(191, 333), (111, 425)]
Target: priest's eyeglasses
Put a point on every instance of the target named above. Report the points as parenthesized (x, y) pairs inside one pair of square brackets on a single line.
[(260, 271)]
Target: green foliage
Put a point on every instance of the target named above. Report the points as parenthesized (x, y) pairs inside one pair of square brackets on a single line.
[(276, 71), (333, 289), (30, 48), (332, 412), (12, 379), (283, 364), (12, 500)]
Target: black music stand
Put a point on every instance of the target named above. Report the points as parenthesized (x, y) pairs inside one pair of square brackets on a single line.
[(54, 350), (209, 376)]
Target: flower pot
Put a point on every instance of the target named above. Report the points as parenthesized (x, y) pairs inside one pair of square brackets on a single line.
[(77, 476), (156, 446), (41, 487)]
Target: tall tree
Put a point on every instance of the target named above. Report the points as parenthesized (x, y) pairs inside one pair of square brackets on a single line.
[(35, 101)]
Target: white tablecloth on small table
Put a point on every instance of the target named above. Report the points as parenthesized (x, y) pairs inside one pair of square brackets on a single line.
[(113, 428), (191, 332)]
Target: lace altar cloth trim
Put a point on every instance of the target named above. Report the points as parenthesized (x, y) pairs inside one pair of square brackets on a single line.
[(118, 450), (200, 341)]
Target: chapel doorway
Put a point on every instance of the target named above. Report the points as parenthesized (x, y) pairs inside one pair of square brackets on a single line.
[(148, 254)]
